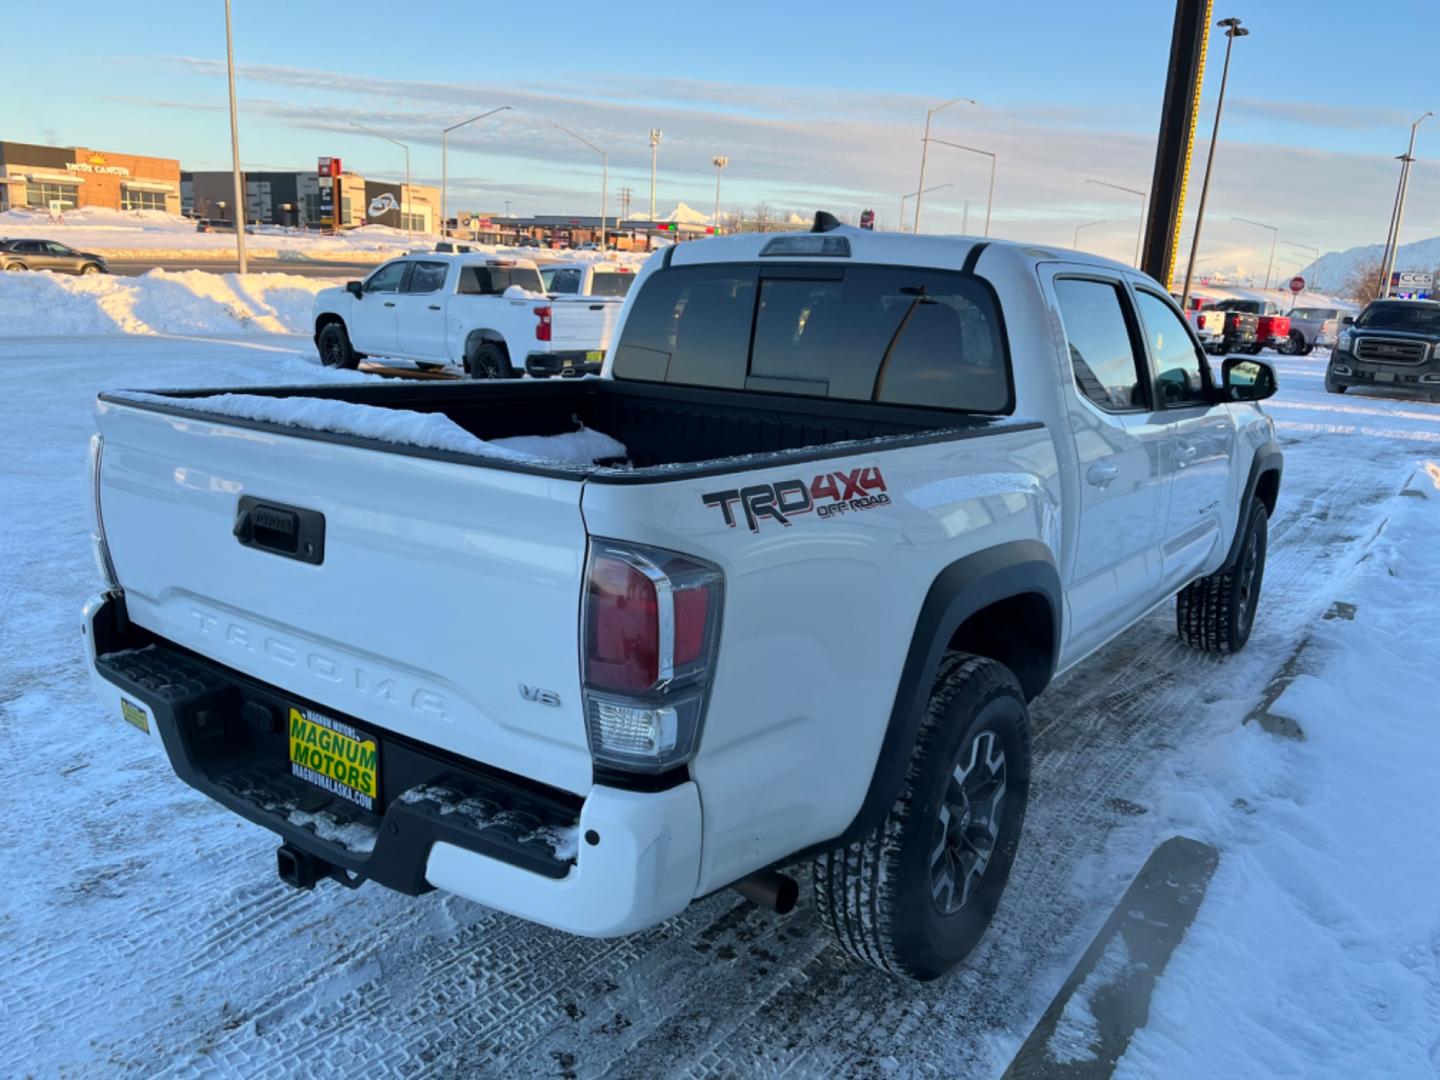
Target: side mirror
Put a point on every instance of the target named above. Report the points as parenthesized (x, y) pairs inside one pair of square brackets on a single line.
[(1348, 320), (355, 289), (1245, 379)]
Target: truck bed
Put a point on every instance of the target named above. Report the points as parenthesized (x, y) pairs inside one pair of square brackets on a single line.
[(671, 432)]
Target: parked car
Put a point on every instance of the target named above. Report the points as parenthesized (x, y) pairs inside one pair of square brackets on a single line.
[(17, 255), (1312, 326), (527, 242), (879, 492), (587, 279), (1237, 331), (206, 225), (486, 314), (1272, 327), (1394, 344)]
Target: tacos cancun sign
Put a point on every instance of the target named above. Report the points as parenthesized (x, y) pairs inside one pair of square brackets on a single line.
[(91, 167)]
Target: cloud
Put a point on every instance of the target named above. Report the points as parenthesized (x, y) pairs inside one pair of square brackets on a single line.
[(1313, 114)]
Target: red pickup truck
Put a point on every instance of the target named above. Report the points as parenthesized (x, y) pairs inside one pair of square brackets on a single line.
[(1272, 327)]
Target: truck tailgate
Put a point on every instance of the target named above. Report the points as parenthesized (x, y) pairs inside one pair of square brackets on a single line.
[(444, 588), (584, 322)]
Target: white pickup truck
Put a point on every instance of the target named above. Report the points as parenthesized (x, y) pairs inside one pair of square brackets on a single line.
[(587, 279), (487, 314), (878, 491)]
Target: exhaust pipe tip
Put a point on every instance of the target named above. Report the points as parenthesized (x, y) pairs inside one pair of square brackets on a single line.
[(770, 889)]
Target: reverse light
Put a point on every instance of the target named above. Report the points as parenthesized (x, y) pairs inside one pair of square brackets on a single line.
[(542, 326), (650, 626)]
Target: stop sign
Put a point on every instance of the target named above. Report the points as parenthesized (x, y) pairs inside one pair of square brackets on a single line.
[(1297, 284)]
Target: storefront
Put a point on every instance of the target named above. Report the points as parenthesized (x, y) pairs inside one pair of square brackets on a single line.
[(56, 179)]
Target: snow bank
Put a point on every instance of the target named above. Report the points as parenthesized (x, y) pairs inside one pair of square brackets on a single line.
[(404, 427), (160, 302)]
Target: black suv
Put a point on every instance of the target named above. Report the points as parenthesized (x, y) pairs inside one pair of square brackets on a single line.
[(1394, 344), (48, 255)]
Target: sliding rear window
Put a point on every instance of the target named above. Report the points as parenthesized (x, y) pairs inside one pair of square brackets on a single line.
[(860, 333)]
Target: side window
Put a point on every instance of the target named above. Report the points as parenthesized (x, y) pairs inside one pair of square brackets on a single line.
[(474, 281), (690, 326), (1102, 351), (1179, 366), (427, 277), (388, 278), (58, 249)]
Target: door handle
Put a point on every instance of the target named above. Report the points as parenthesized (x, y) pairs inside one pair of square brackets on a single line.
[(1101, 473), (389, 303), (1186, 455), (434, 307)]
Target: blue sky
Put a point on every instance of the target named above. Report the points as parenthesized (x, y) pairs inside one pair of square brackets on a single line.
[(814, 103)]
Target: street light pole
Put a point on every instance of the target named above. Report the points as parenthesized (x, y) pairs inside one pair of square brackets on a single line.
[(604, 177), (445, 163), (1140, 233), (235, 148), (655, 136), (912, 195), (1392, 245), (1233, 29), (719, 161), (405, 199), (1273, 241), (925, 150), (1076, 245), (990, 197)]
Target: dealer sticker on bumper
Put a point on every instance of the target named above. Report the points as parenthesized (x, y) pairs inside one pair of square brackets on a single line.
[(334, 756), (134, 714)]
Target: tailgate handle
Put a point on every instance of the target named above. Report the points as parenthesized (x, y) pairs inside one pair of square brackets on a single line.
[(290, 531)]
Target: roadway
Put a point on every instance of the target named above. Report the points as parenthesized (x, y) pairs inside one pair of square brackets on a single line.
[(326, 268)]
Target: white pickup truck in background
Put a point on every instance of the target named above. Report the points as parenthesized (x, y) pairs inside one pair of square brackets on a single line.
[(587, 279), (486, 314)]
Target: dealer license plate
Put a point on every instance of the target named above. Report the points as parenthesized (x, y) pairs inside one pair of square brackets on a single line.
[(334, 756), (1384, 376), (595, 356)]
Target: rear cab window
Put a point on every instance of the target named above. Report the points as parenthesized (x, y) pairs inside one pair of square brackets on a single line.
[(610, 283), (900, 335), (486, 280)]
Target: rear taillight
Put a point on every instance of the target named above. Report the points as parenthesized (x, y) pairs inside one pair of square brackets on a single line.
[(542, 326), (650, 627), (1200, 322)]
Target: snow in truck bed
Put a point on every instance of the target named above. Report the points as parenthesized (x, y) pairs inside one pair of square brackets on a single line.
[(432, 431)]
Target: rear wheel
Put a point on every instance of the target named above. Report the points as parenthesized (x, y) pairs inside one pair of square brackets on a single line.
[(1294, 345), (488, 361), (914, 896), (334, 346), (1217, 612)]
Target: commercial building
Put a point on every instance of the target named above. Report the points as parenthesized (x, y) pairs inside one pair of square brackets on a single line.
[(293, 198), (60, 178)]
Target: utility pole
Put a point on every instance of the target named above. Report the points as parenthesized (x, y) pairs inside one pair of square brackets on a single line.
[(1392, 242), (719, 161), (925, 151), (604, 176), (1140, 232), (655, 136), (1274, 239), (235, 148), (625, 195), (445, 163), (1233, 29)]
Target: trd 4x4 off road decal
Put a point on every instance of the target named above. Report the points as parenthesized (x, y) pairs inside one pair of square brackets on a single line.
[(828, 495)]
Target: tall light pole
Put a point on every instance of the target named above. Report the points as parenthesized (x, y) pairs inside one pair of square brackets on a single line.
[(235, 149), (1140, 233), (1392, 242), (405, 195), (925, 150), (445, 162), (1076, 245), (719, 161), (655, 136), (604, 177), (1233, 30), (912, 195), (990, 197), (1275, 239)]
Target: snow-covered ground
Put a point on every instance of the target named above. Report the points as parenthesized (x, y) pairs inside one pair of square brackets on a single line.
[(144, 931)]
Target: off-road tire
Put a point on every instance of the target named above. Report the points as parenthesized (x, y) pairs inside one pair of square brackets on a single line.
[(877, 895), (1217, 613), (333, 344), (488, 360)]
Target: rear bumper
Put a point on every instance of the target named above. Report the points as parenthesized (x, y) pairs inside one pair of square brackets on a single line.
[(610, 863), (578, 362)]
